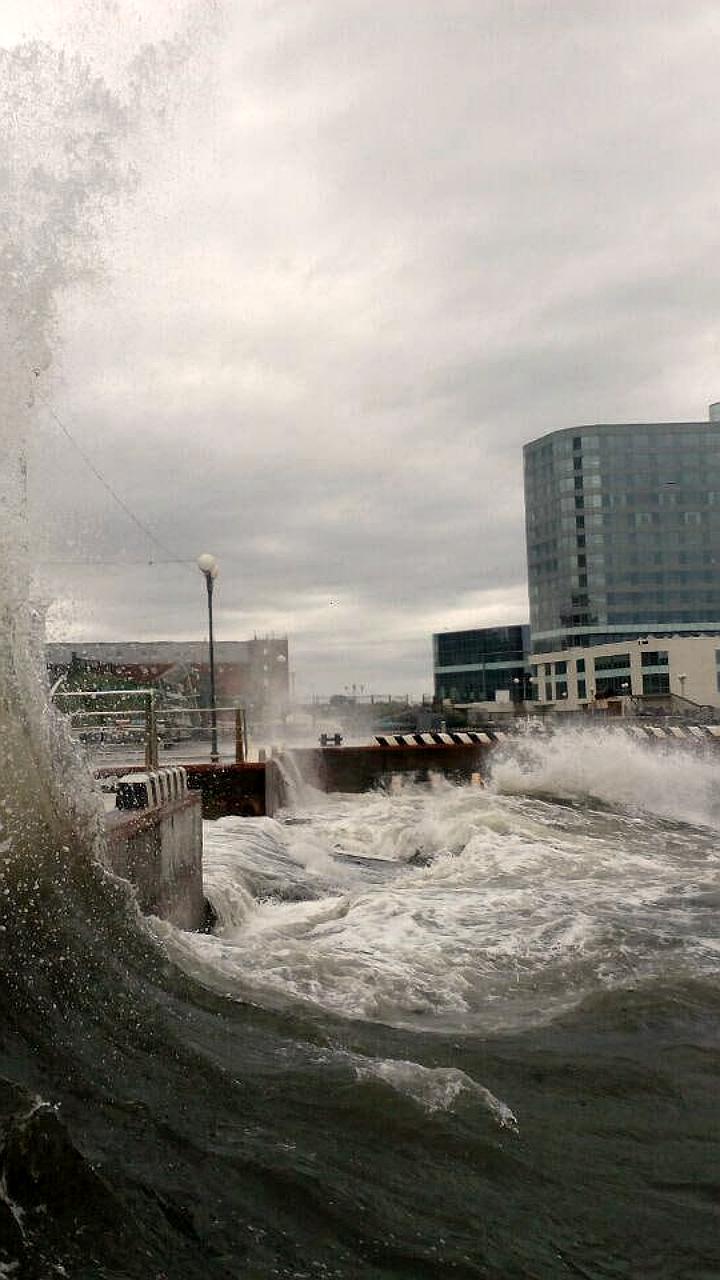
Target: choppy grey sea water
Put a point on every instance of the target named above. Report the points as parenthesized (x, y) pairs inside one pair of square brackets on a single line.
[(438, 1031)]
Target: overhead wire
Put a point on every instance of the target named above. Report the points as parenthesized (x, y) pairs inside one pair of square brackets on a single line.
[(122, 564), (121, 503)]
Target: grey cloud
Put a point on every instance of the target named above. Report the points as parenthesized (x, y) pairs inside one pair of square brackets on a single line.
[(401, 240)]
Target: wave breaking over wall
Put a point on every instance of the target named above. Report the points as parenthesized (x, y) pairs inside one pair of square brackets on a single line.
[(603, 765), (73, 137)]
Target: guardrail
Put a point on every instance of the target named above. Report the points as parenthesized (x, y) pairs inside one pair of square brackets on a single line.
[(148, 725)]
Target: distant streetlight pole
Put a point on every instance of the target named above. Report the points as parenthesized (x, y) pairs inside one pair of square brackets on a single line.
[(208, 566)]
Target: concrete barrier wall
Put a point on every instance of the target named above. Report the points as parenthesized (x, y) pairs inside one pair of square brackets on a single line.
[(229, 789), (356, 769), (247, 790), (252, 789), (160, 852)]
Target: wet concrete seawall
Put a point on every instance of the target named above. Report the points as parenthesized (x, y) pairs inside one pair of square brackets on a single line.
[(357, 769), (233, 789), (159, 850), (263, 788), (360, 768)]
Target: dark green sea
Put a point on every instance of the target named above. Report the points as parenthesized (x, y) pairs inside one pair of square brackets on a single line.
[(438, 1031)]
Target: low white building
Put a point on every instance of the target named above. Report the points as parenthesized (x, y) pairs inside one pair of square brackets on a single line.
[(688, 666)]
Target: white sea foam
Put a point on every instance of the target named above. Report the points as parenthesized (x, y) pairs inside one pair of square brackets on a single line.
[(455, 907), (610, 766), (435, 1088)]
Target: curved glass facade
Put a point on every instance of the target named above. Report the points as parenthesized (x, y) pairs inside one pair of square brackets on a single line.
[(623, 532)]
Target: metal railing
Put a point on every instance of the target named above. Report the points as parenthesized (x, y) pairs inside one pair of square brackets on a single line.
[(180, 733), (337, 701)]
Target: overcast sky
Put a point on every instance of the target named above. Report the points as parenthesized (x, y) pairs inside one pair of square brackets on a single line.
[(375, 246)]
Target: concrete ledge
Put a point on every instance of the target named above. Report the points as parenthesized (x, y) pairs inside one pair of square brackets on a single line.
[(140, 790), (248, 790), (356, 769), (229, 789), (159, 850)]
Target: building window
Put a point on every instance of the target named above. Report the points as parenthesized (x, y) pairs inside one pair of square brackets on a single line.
[(581, 664), (612, 686), (560, 668), (577, 442), (656, 658), (659, 682), (613, 662), (582, 689), (561, 689), (548, 692), (475, 648)]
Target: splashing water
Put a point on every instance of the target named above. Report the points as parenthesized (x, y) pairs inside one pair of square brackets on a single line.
[(456, 907), (609, 766), (59, 130), (68, 152)]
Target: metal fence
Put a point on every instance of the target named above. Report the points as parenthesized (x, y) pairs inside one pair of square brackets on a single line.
[(146, 732)]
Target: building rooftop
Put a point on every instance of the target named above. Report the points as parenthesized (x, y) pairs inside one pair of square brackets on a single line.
[(139, 652)]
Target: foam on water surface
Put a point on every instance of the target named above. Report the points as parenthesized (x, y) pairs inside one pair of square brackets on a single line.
[(609, 766), (459, 908), (435, 1088)]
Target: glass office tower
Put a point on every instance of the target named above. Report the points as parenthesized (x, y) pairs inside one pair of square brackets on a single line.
[(623, 532), (474, 666)]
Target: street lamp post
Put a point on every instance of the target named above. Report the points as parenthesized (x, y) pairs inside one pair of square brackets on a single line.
[(208, 566)]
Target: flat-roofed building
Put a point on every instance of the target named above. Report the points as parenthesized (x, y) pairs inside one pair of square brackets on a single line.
[(482, 665), (249, 673), (651, 668)]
